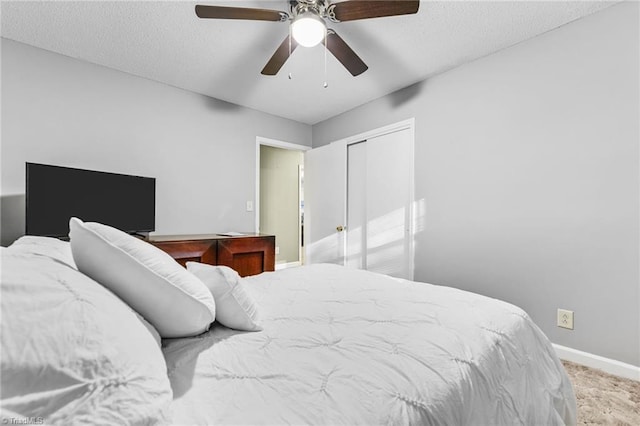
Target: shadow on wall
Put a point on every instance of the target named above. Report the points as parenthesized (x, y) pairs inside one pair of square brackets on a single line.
[(12, 214), (402, 96), (219, 105)]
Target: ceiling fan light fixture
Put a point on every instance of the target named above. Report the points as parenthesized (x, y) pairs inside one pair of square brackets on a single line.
[(308, 29)]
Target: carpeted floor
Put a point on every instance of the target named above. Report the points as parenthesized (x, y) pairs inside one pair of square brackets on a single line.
[(604, 399)]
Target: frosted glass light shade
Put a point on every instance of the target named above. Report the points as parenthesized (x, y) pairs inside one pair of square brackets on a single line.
[(308, 29)]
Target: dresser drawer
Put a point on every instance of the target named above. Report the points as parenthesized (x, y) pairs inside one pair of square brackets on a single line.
[(248, 255), (205, 251)]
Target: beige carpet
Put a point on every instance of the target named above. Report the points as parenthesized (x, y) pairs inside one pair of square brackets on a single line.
[(604, 399)]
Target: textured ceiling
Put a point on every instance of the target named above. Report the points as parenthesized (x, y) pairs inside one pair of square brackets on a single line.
[(166, 42)]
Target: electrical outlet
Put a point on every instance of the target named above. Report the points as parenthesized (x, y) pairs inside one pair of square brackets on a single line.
[(565, 319), (277, 250)]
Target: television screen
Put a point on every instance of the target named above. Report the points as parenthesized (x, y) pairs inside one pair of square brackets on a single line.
[(54, 194)]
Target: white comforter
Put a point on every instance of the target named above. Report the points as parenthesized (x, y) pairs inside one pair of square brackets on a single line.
[(343, 346)]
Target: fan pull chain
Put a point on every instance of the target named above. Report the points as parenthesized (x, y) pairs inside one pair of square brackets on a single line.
[(289, 58), (325, 85)]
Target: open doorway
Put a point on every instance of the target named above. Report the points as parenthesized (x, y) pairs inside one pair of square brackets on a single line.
[(280, 198)]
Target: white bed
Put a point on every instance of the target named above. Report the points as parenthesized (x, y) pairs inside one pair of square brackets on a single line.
[(343, 346), (337, 346)]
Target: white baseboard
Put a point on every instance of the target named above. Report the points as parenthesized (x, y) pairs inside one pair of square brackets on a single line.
[(287, 265), (607, 365)]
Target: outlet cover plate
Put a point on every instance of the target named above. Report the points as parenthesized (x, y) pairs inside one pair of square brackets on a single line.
[(565, 319)]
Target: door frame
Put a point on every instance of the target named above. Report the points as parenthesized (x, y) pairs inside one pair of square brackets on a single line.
[(283, 145), (408, 124)]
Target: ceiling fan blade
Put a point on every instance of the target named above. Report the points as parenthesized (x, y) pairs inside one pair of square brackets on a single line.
[(279, 57), (354, 10), (222, 12), (343, 53)]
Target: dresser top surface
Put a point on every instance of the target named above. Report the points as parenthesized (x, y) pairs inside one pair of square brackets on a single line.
[(196, 237)]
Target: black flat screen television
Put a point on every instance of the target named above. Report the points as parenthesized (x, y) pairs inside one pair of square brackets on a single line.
[(54, 194)]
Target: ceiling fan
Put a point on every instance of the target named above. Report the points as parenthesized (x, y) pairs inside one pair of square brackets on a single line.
[(308, 26)]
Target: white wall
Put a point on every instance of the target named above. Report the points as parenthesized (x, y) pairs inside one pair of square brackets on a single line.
[(527, 177), (59, 110)]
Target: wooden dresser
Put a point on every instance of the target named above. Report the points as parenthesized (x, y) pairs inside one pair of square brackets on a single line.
[(249, 254)]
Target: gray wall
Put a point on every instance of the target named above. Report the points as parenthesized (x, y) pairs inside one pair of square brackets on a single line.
[(527, 169), (59, 110)]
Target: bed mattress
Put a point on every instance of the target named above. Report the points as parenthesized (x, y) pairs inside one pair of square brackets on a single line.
[(344, 346)]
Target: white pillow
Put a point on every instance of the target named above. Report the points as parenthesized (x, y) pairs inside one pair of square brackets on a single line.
[(234, 308), (45, 246), (174, 301), (72, 352), (60, 251)]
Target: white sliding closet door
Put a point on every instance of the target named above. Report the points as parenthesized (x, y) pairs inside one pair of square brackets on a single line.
[(356, 252), (379, 204)]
